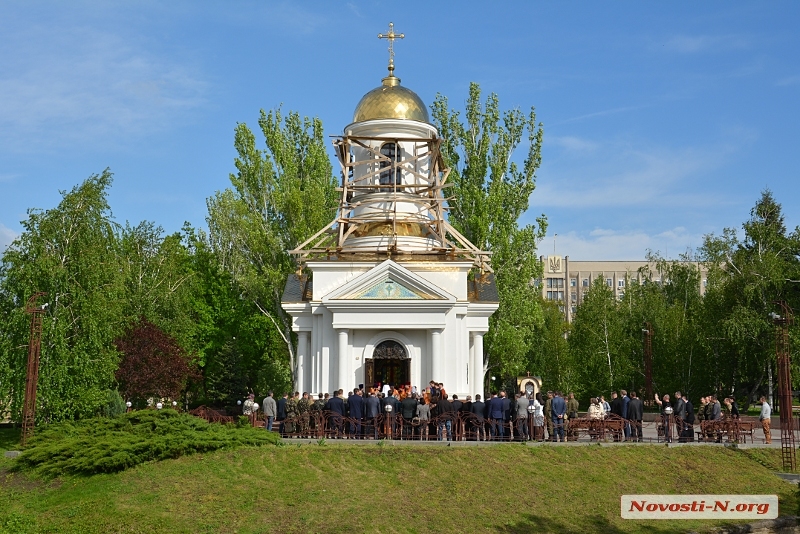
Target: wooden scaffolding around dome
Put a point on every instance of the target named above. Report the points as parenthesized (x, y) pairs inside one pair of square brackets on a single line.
[(427, 193)]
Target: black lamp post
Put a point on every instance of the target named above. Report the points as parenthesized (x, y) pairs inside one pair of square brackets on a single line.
[(389, 421), (531, 410)]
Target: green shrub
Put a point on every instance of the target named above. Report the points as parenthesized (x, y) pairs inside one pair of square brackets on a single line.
[(103, 445), (114, 405)]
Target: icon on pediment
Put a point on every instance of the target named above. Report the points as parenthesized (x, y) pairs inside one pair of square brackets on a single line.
[(389, 289)]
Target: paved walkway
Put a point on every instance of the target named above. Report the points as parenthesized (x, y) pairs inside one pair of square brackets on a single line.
[(649, 435)]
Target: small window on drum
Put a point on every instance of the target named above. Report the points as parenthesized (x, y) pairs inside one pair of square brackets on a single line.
[(388, 177)]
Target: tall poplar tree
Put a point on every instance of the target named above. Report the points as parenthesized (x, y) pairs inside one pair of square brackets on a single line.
[(278, 197), (490, 194)]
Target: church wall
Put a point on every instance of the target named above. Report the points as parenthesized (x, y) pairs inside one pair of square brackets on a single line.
[(455, 353), (451, 279)]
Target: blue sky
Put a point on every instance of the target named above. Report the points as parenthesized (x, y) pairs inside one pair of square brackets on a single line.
[(663, 122)]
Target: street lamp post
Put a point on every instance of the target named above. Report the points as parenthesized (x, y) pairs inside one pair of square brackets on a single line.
[(668, 424), (531, 410), (783, 357), (389, 421), (32, 377), (648, 361)]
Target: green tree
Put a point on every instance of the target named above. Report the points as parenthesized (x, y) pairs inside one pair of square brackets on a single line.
[(279, 197), (599, 344), (235, 343), (745, 277), (159, 280), (669, 299), (549, 357), (72, 253), (490, 194)]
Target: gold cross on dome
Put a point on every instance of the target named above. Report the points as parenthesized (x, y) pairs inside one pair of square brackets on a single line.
[(391, 36)]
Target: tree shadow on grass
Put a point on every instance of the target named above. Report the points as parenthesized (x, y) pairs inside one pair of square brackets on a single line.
[(594, 524)]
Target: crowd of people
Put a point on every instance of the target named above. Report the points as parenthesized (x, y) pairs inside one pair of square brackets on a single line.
[(354, 414)]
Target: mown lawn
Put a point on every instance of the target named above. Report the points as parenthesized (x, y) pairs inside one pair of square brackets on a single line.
[(392, 489)]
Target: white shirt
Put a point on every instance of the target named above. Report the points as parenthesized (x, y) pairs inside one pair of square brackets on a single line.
[(538, 409), (386, 389), (766, 411)]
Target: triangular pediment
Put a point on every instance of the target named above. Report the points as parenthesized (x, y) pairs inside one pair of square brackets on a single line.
[(389, 289), (388, 281)]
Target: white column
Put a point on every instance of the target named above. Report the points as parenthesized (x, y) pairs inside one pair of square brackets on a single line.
[(471, 363), (436, 355), (344, 360), (477, 351), (302, 355)]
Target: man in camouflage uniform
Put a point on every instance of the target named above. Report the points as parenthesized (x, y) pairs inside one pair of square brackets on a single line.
[(303, 407), (548, 414), (572, 413), (700, 416), (315, 414), (291, 413)]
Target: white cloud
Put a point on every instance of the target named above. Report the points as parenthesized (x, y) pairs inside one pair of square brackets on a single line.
[(78, 83), (611, 244), (601, 113), (354, 9), (690, 44), (7, 235), (623, 175), (574, 144)]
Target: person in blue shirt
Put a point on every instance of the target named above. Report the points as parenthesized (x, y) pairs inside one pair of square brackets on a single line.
[(625, 401), (559, 410)]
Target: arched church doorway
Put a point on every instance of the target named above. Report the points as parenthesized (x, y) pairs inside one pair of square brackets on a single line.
[(390, 364)]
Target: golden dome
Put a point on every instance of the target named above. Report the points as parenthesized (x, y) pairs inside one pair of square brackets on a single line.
[(391, 101)]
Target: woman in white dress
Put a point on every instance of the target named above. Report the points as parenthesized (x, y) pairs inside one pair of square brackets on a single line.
[(538, 418)]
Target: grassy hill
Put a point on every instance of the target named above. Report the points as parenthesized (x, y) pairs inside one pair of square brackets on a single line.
[(339, 488)]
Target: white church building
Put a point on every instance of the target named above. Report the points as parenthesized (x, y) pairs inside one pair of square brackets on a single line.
[(389, 292)]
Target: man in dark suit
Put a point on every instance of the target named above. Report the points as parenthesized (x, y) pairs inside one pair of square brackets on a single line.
[(496, 414), (467, 406), (282, 411), (356, 405), (559, 410), (508, 411), (626, 400), (335, 406), (479, 409), (616, 409), (635, 411), (408, 407), (689, 427), (373, 409), (445, 412), (456, 403)]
